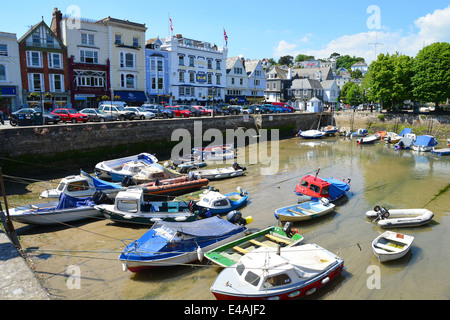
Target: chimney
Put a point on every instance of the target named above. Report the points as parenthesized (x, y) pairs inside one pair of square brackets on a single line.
[(56, 22)]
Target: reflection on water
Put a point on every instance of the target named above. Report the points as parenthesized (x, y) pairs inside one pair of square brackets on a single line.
[(379, 175)]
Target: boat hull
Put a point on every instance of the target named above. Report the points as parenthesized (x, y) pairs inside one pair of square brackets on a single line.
[(403, 218), (303, 212), (391, 246), (29, 215)]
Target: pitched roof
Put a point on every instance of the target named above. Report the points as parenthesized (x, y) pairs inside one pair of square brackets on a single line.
[(306, 84), (36, 26), (311, 73)]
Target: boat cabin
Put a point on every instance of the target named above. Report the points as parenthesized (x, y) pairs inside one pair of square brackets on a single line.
[(313, 187), (213, 199)]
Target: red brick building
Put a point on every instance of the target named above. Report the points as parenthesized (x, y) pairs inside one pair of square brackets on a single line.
[(43, 63)]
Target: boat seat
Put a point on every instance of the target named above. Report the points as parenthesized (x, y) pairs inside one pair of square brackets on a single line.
[(260, 243), (297, 212), (387, 247), (276, 239), (307, 210), (239, 249)]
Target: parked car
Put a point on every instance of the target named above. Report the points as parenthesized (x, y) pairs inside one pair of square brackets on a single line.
[(265, 109), (220, 111), (252, 109), (71, 115), (141, 113), (179, 112), (204, 110), (118, 111), (234, 110), (194, 111), (283, 105), (98, 115), (275, 109), (159, 110), (116, 103), (29, 113)]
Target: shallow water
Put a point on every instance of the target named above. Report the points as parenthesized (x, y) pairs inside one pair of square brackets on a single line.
[(379, 175)]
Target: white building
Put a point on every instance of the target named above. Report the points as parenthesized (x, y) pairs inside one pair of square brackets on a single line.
[(360, 66), (10, 75), (256, 80), (197, 71), (237, 81)]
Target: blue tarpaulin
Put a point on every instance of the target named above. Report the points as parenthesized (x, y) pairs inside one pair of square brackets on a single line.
[(337, 187), (68, 202), (427, 141)]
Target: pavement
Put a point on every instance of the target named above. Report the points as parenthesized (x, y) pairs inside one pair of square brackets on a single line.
[(17, 280)]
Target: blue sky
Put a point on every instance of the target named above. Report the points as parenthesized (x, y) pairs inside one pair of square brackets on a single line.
[(259, 29)]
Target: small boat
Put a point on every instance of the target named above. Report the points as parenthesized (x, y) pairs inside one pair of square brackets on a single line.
[(187, 166), (369, 139), (66, 209), (278, 274), (82, 185), (315, 187), (213, 149), (151, 174), (424, 143), (175, 243), (171, 187), (394, 218), (329, 130), (220, 156), (220, 173), (311, 134), (129, 207), (381, 134), (441, 152), (213, 202), (406, 142), (272, 237), (114, 169), (392, 137), (360, 133), (304, 211), (391, 246)]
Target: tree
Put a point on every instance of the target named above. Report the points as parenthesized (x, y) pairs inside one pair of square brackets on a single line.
[(352, 94), (286, 60), (347, 61), (303, 57), (431, 68)]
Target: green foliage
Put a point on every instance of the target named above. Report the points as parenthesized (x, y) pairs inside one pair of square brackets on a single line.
[(431, 68), (352, 94), (303, 57), (286, 60), (347, 61)]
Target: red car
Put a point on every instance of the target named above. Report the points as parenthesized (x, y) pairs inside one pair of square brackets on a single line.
[(71, 115), (205, 112), (179, 112)]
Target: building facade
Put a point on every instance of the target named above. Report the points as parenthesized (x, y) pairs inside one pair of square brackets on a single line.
[(10, 76), (126, 49), (237, 81), (88, 59), (157, 72), (278, 85), (256, 81), (43, 63), (197, 71)]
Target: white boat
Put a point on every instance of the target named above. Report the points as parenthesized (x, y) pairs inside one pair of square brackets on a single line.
[(360, 133), (152, 173), (213, 202), (220, 173), (424, 143), (392, 137), (113, 169), (304, 211), (67, 209), (369, 139), (220, 156), (311, 134), (329, 130), (278, 274), (391, 245), (394, 218), (82, 185)]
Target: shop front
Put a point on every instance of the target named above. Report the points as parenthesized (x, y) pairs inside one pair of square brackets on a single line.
[(8, 99)]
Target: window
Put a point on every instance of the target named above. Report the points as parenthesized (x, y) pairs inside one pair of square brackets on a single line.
[(3, 50), (180, 60), (2, 72), (127, 205), (160, 83), (191, 77), (181, 76), (232, 80), (218, 78), (160, 65), (128, 81), (252, 278), (277, 280), (191, 61), (209, 78), (127, 60), (241, 81), (50, 40), (88, 56), (87, 39), (56, 83), (181, 91), (153, 83), (118, 39), (78, 186), (135, 42), (209, 64), (218, 64), (36, 39), (34, 59), (55, 60), (36, 82)]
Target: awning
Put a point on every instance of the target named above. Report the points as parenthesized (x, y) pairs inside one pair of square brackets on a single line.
[(238, 99), (130, 96)]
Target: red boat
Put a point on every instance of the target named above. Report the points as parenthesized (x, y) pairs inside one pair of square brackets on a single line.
[(316, 187)]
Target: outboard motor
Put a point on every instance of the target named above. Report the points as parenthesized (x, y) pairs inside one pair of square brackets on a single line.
[(127, 181), (235, 217), (382, 213), (288, 230), (100, 197), (236, 166)]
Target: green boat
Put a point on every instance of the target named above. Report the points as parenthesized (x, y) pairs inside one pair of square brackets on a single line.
[(272, 237)]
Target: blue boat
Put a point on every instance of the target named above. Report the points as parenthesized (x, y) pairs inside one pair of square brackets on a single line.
[(213, 202), (175, 243), (424, 143), (117, 169), (441, 152)]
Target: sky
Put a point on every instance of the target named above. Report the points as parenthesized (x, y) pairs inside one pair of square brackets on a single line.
[(258, 29)]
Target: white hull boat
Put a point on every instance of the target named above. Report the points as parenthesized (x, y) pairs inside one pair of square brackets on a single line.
[(105, 169), (395, 218), (220, 173), (67, 209), (311, 134), (391, 246)]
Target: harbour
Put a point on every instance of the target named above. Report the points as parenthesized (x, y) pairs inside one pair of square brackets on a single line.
[(79, 261)]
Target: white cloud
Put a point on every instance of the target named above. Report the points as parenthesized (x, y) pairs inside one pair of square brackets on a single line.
[(434, 27)]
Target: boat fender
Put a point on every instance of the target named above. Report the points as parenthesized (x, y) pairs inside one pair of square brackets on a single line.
[(199, 254)]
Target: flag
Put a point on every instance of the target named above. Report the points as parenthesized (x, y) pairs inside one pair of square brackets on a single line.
[(225, 36), (171, 26)]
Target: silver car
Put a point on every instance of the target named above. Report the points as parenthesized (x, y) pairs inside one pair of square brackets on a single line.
[(141, 113)]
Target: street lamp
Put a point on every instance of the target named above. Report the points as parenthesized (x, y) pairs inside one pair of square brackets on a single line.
[(213, 90)]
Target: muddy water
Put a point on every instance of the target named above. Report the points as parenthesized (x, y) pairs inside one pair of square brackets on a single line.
[(379, 176)]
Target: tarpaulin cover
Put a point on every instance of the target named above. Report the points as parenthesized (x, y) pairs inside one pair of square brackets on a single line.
[(68, 202), (405, 131), (427, 141), (337, 187), (102, 185)]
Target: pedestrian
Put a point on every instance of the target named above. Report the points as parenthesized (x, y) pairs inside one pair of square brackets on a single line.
[(1, 117)]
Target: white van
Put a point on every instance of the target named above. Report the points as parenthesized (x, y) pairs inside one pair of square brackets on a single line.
[(115, 103)]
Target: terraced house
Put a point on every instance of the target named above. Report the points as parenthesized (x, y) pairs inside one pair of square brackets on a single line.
[(43, 61), (10, 80)]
